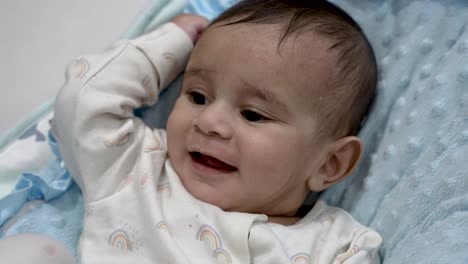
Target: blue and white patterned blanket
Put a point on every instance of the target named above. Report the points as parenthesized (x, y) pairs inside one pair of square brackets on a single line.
[(411, 185)]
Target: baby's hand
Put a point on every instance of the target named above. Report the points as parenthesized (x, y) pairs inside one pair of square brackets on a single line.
[(193, 25)]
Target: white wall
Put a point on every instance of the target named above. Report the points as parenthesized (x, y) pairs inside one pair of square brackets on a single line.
[(39, 37)]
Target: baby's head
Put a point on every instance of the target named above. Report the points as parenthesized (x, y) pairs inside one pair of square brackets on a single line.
[(273, 95)]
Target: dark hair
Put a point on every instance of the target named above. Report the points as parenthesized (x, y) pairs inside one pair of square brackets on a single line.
[(350, 97)]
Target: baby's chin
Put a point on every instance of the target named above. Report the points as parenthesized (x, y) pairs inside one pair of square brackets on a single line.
[(209, 194), (225, 194), (222, 199), (204, 192)]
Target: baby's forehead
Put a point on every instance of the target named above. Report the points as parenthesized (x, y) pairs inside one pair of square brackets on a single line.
[(307, 44), (304, 59)]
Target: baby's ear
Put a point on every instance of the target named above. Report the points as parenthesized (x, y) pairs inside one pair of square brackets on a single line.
[(341, 159)]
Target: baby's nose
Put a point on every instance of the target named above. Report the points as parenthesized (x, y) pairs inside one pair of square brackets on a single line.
[(215, 120)]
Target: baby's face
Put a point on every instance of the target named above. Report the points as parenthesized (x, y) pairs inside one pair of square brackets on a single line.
[(242, 134)]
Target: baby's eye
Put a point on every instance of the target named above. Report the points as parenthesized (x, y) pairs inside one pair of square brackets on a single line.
[(252, 116), (197, 98)]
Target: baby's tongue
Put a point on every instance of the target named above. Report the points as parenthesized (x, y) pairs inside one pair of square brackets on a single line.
[(216, 163)]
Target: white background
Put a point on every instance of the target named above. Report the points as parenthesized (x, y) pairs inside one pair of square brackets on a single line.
[(38, 38)]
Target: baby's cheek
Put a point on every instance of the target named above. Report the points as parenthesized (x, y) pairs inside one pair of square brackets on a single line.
[(178, 122), (267, 154)]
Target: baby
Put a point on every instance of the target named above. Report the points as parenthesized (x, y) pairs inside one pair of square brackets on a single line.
[(273, 95)]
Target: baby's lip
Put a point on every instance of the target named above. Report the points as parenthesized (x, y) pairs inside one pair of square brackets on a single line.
[(212, 162)]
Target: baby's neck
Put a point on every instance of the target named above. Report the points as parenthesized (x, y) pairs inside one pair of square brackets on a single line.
[(291, 219), (284, 220)]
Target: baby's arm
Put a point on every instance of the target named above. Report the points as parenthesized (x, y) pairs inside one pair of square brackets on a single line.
[(99, 137)]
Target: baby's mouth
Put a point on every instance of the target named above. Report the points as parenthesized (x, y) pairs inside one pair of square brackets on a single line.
[(211, 162)]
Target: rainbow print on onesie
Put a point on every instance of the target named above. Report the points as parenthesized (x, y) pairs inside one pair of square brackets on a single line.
[(120, 239), (211, 238), (300, 258)]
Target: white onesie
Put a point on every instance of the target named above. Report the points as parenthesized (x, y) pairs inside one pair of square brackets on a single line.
[(137, 210)]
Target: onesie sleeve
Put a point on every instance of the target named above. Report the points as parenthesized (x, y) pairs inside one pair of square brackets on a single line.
[(98, 135), (362, 250)]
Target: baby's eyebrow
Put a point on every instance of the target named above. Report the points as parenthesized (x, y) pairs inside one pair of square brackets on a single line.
[(195, 72), (265, 95)]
